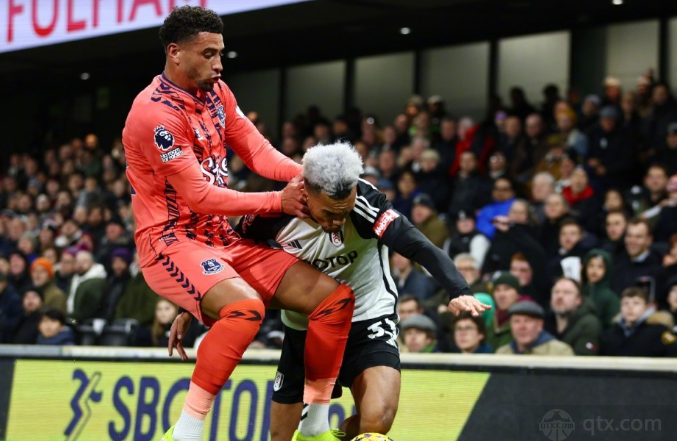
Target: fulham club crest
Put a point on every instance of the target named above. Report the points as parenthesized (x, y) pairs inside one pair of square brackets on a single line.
[(337, 238), (279, 379)]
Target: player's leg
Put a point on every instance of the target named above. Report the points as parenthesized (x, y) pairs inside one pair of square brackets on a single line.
[(371, 368), (299, 287), (229, 305), (377, 393), (329, 307), (285, 411)]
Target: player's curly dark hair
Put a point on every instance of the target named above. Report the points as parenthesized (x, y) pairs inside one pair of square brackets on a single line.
[(185, 22)]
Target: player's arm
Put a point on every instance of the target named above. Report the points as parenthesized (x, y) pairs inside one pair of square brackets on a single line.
[(262, 228), (398, 234), (250, 145), (160, 134)]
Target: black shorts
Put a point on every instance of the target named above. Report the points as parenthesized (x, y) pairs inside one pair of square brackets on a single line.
[(370, 343)]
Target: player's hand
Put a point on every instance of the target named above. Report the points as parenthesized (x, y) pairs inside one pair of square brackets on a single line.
[(469, 304), (294, 198), (176, 334)]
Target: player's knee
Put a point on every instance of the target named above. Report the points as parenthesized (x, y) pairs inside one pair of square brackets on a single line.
[(249, 310), (340, 305), (378, 420)]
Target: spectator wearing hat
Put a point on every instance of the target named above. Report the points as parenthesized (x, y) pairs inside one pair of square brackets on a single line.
[(409, 280), (505, 293), (612, 92), (42, 275), (666, 154), (27, 331), (574, 139), (633, 335), (116, 282), (596, 285), (433, 180), (470, 190), (437, 112), (10, 309), (529, 337), (418, 333), (469, 335), (572, 318), (87, 288), (424, 217), (371, 175), (138, 300), (503, 195), (386, 187), (53, 329), (116, 236), (611, 155), (466, 238)]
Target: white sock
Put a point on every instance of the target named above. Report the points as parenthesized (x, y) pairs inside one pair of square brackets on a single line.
[(314, 419), (188, 428)]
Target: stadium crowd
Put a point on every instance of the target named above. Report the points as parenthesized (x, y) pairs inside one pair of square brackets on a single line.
[(563, 216)]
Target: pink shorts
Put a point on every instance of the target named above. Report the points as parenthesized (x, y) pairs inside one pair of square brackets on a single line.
[(186, 270)]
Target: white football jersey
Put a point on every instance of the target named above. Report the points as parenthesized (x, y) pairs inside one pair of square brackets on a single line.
[(353, 256)]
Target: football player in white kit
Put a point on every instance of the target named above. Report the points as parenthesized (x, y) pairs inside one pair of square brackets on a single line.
[(348, 235)]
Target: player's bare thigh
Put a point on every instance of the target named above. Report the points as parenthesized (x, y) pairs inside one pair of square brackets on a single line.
[(376, 392), (224, 293), (302, 289)]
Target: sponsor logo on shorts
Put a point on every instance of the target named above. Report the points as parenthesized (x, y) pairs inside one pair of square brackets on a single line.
[(163, 139), (166, 157), (211, 266), (337, 238), (382, 223), (279, 379)]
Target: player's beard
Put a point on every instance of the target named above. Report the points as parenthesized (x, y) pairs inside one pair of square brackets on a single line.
[(206, 86)]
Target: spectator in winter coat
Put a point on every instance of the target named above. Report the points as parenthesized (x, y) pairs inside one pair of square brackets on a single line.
[(596, 281), (529, 337), (572, 318), (632, 336)]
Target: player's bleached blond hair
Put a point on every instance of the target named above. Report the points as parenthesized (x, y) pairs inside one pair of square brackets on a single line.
[(332, 168)]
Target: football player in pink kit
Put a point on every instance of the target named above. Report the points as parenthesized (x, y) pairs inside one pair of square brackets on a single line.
[(175, 141)]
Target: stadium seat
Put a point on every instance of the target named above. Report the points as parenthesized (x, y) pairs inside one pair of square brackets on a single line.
[(120, 333)]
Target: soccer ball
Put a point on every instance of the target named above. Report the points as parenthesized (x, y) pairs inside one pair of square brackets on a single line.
[(371, 437)]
